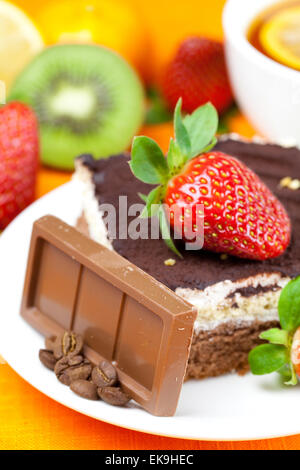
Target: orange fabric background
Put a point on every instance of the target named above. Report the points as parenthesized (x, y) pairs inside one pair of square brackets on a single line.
[(30, 420)]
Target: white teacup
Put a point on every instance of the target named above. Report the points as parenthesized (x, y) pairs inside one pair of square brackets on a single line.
[(266, 91)]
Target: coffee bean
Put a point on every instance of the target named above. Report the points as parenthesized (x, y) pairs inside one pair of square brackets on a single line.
[(113, 396), (47, 358), (71, 368), (63, 355), (68, 344), (75, 360), (105, 375), (78, 372), (61, 365), (85, 389)]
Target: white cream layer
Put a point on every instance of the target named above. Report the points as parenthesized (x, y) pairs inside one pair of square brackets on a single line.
[(221, 303), (90, 206)]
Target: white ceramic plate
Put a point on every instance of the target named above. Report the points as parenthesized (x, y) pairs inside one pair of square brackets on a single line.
[(225, 408)]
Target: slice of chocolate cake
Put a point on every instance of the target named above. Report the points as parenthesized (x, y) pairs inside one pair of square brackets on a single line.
[(236, 298)]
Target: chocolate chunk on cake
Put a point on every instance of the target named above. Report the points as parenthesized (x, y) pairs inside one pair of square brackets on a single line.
[(236, 298)]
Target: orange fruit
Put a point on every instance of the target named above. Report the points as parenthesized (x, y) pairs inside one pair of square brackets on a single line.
[(110, 23)]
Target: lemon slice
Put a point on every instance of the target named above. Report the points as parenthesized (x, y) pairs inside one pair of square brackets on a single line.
[(19, 42), (280, 37)]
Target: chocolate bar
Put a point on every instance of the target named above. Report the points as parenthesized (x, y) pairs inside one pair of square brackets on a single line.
[(124, 315)]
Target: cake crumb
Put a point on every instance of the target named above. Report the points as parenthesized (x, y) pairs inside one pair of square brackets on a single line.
[(290, 183), (285, 182), (170, 262), (295, 184)]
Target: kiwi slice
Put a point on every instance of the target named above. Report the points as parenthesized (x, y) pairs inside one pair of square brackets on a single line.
[(87, 100)]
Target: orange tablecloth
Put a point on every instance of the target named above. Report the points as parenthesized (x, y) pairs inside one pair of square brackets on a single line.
[(28, 419)]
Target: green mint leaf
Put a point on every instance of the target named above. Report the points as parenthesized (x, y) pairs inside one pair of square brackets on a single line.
[(181, 133), (148, 163), (165, 232), (289, 305), (202, 126), (152, 203), (267, 358), (276, 336), (285, 372), (175, 158), (293, 377), (288, 374)]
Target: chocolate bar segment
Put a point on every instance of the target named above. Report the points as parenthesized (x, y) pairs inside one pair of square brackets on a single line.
[(124, 315), (97, 318), (50, 298)]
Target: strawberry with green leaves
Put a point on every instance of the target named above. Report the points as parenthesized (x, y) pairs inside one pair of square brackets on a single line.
[(282, 353), (240, 215)]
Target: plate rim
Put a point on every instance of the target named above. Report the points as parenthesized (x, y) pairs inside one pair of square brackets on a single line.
[(114, 422)]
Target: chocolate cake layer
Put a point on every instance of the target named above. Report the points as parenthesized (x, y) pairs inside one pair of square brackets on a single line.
[(224, 349), (197, 270)]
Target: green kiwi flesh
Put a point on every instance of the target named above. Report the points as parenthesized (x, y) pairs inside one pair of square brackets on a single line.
[(87, 100)]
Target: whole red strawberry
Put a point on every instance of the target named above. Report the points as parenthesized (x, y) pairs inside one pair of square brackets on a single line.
[(198, 74), (241, 215), (209, 192), (19, 156)]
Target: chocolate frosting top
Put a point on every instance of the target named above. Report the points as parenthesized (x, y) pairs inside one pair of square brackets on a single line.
[(198, 269)]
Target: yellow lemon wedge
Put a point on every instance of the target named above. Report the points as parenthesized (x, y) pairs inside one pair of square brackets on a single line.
[(111, 23), (280, 37), (19, 42)]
